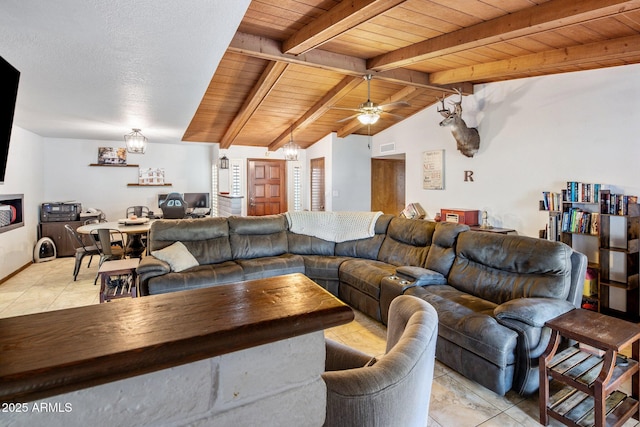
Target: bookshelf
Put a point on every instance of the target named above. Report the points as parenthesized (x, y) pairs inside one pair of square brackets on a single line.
[(605, 226)]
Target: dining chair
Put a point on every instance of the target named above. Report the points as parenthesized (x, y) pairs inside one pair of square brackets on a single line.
[(109, 250), (82, 250), (139, 211)]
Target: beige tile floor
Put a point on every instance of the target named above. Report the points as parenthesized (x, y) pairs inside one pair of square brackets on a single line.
[(455, 401)]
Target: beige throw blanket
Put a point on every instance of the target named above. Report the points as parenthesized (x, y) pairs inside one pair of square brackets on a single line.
[(334, 226)]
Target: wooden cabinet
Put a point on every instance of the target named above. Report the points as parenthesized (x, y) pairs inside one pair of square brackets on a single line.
[(586, 378), (65, 245)]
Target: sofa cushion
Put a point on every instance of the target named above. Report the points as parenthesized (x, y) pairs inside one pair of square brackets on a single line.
[(365, 275), (257, 236), (468, 321), (323, 267), (207, 239), (499, 267), (308, 245), (177, 256), (201, 276), (366, 248), (259, 268), (407, 242), (442, 252)]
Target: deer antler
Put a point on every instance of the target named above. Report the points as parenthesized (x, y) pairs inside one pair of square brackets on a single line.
[(444, 111)]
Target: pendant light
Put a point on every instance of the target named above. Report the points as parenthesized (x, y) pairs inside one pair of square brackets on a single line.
[(136, 142), (291, 149)]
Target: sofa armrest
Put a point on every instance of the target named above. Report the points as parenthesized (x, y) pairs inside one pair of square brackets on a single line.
[(532, 311), (151, 266), (421, 276)]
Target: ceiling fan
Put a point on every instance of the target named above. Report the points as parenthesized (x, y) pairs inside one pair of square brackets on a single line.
[(369, 112)]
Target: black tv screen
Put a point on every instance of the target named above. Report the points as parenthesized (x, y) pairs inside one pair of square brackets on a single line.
[(197, 200), (9, 78)]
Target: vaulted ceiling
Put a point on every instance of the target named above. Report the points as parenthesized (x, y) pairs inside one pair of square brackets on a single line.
[(292, 62)]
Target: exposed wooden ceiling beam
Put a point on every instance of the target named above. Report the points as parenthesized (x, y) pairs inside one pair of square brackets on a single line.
[(620, 48), (265, 84), (265, 48), (345, 86), (539, 18), (405, 94), (339, 19)]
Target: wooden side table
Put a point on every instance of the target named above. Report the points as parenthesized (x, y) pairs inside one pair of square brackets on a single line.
[(125, 285), (589, 395)]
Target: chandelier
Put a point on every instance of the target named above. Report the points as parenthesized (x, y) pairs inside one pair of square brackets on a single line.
[(291, 149), (136, 142)]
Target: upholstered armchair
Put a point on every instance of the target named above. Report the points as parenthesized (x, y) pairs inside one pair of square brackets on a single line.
[(395, 389)]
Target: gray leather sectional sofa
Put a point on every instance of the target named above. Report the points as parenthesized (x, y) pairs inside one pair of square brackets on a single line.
[(492, 292)]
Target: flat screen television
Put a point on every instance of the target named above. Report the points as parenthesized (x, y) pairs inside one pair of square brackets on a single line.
[(9, 78), (196, 200)]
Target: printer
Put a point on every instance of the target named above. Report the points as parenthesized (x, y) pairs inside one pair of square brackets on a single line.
[(60, 211)]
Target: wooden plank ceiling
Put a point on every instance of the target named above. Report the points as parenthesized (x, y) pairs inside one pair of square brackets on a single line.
[(291, 61)]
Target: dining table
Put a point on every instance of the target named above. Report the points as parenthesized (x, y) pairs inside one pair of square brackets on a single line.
[(134, 229)]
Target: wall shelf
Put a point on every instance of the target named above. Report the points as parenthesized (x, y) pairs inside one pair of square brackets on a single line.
[(149, 185), (128, 165)]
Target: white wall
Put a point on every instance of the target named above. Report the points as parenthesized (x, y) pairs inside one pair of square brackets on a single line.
[(536, 134), (23, 176), (351, 172), (68, 176)]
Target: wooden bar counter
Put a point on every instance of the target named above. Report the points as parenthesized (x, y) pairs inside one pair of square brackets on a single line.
[(46, 354)]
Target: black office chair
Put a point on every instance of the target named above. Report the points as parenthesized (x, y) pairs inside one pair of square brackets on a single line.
[(174, 207), (82, 250), (139, 211)]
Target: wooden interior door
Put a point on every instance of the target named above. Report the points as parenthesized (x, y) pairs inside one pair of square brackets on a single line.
[(317, 184), (267, 187), (388, 185)]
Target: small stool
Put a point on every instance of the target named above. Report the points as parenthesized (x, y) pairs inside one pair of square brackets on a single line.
[(126, 283)]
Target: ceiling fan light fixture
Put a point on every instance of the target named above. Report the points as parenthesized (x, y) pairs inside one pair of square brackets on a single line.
[(136, 142), (368, 118)]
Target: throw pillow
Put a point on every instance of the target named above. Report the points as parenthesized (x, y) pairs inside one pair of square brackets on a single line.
[(177, 256)]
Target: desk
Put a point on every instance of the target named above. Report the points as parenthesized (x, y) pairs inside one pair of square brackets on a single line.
[(133, 232)]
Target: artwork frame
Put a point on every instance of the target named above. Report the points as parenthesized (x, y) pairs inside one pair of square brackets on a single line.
[(433, 170), (112, 156)]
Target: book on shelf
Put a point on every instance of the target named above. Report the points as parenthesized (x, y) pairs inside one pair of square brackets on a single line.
[(582, 192), (616, 204), (551, 201), (576, 220)]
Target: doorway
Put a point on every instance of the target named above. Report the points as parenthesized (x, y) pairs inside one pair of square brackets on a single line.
[(317, 184), (266, 187), (388, 185)]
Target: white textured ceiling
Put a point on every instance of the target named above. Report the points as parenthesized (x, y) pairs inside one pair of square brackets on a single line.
[(95, 69)]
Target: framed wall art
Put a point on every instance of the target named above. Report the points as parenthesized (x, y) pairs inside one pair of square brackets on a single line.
[(112, 156), (433, 170)]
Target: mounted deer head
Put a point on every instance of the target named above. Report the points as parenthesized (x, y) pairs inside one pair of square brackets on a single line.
[(467, 139)]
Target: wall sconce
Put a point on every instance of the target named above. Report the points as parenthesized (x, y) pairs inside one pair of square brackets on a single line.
[(291, 149), (224, 162), (136, 142)]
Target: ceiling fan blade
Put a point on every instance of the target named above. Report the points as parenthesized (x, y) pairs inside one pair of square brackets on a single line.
[(345, 109), (348, 118), (392, 105), (397, 116)]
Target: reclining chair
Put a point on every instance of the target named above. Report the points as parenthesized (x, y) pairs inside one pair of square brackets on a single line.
[(395, 389), (174, 207)]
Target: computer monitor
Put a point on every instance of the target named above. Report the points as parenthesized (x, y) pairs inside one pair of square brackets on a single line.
[(197, 200)]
